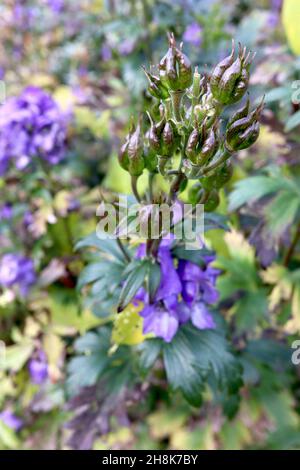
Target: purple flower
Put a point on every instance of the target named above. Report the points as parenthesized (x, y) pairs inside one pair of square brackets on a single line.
[(11, 420), (31, 125), (38, 368), (106, 53), (28, 219), (198, 283), (22, 16), (126, 47), (272, 19), (56, 5), (274, 14), (193, 34), (201, 318), (276, 4), (6, 211), (160, 321), (182, 295), (17, 270)]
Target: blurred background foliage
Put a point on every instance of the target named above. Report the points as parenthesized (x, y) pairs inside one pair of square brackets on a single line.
[(87, 55)]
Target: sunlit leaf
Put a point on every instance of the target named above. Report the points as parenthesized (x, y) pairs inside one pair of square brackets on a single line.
[(291, 21), (128, 326)]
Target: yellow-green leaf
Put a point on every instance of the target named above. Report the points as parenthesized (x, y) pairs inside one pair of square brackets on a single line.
[(291, 22), (128, 326)]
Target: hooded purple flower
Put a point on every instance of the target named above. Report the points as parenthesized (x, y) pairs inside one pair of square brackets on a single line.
[(193, 34), (181, 296), (31, 125), (38, 368), (17, 270), (198, 283), (11, 420)]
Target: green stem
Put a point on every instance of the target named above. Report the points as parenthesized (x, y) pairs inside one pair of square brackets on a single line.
[(123, 249), (292, 246), (68, 232), (134, 188), (150, 184), (176, 97), (205, 196), (215, 165)]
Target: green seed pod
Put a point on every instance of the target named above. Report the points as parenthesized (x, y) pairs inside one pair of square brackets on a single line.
[(123, 156), (192, 145), (168, 66), (154, 135), (229, 82), (240, 113), (248, 137), (242, 133), (175, 68), (212, 202), (241, 86), (170, 139), (156, 86), (223, 175), (219, 70), (209, 148), (135, 153), (185, 76)]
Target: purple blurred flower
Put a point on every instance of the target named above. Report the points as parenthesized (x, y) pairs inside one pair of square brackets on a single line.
[(193, 34), (17, 270), (126, 47), (38, 368), (11, 420), (274, 14), (6, 211), (22, 15), (56, 5), (28, 218), (276, 4), (181, 296), (106, 53), (273, 19), (31, 125)]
